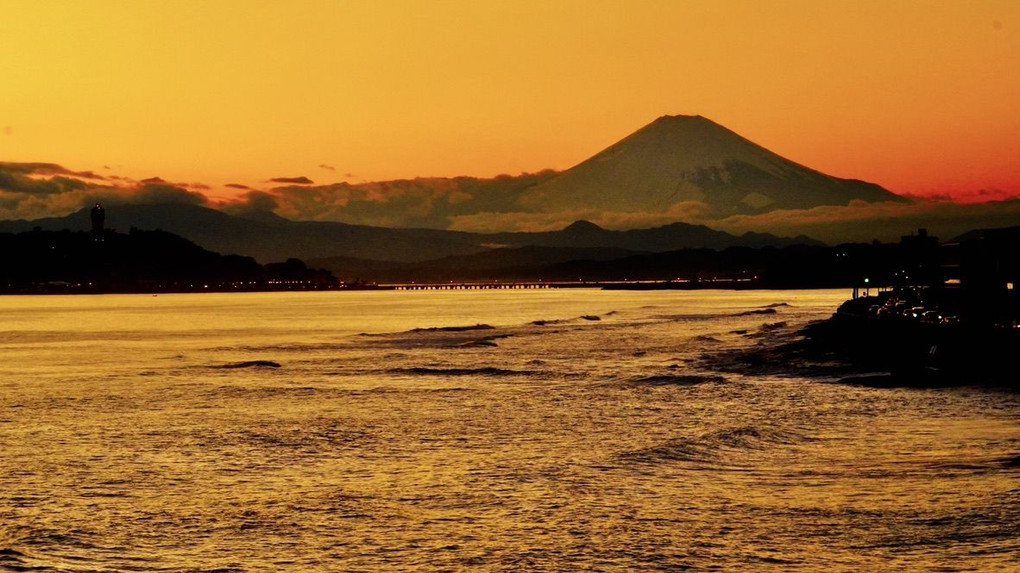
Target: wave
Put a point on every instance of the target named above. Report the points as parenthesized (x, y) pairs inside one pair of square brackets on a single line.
[(454, 328), (482, 343), (289, 347), (767, 310), (675, 450), (440, 337), (677, 379), (545, 322), (588, 317), (713, 447), (249, 364), (1011, 461), (766, 329), (14, 560), (480, 371), (750, 437), (689, 317)]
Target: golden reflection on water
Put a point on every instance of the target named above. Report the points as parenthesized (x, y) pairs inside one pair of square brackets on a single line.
[(570, 444)]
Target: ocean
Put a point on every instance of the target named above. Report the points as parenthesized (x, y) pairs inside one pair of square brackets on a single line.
[(527, 430)]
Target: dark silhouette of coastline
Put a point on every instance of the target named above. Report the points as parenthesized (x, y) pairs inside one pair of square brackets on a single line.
[(156, 261), (950, 317), (796, 266), (103, 261)]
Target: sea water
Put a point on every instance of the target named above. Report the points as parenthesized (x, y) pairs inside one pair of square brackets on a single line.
[(558, 429)]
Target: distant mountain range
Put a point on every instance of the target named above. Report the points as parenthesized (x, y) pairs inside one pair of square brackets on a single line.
[(269, 238)]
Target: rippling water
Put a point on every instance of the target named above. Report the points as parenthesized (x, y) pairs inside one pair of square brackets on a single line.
[(522, 430)]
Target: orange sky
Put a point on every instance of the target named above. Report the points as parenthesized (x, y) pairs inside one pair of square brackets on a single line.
[(921, 97)]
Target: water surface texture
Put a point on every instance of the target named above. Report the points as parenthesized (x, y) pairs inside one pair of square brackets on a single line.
[(569, 429)]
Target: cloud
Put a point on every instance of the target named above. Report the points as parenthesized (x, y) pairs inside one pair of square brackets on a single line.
[(37, 179), (252, 202), (45, 169), (302, 180), (37, 190), (161, 181), (162, 193), (90, 175), (15, 183), (420, 202), (236, 186), (857, 222), (863, 222), (401, 205), (978, 196), (327, 167)]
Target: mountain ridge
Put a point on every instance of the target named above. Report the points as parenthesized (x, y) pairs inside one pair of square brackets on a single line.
[(280, 238)]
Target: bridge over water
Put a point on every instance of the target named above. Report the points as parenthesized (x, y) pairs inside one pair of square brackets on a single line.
[(491, 285), (726, 283)]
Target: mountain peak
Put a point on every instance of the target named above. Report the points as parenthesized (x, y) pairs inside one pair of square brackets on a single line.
[(582, 226), (690, 133), (682, 118)]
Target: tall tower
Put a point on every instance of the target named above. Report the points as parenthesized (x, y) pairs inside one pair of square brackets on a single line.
[(98, 218)]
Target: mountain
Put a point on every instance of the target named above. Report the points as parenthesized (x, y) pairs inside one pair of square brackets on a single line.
[(677, 159), (276, 238), (584, 234), (1002, 234)]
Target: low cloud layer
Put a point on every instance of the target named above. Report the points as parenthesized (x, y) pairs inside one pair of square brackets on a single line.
[(862, 222), (252, 202), (39, 190), (302, 180), (424, 202)]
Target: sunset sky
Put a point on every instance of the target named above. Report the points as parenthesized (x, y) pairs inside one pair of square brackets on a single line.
[(920, 97)]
